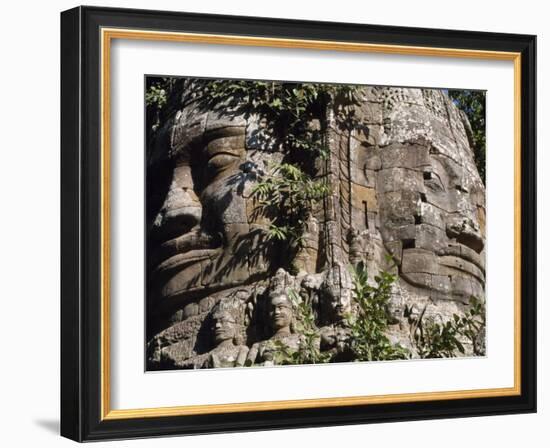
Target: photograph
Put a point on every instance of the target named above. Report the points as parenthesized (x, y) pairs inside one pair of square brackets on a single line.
[(291, 223)]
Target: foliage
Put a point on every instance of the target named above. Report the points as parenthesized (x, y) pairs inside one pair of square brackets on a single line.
[(294, 115), (287, 194), (443, 340), (155, 96), (309, 349), (158, 92), (473, 325), (369, 325), (472, 102), (293, 120)]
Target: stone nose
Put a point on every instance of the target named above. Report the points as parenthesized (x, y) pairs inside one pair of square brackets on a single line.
[(180, 212), (340, 300), (466, 231)]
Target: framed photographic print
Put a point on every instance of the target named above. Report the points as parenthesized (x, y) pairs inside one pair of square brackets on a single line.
[(273, 224)]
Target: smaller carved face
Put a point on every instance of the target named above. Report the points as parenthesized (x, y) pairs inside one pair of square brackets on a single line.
[(308, 282), (280, 312), (339, 303), (224, 326)]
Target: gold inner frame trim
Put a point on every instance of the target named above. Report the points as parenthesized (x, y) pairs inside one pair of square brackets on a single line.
[(107, 35)]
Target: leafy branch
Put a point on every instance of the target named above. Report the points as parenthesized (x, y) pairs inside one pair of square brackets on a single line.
[(472, 102), (369, 325), (443, 340), (288, 194)]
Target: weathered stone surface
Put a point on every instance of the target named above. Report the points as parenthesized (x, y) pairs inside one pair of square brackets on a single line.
[(461, 266), (189, 126), (431, 215), (225, 121), (181, 281), (399, 179), (406, 156), (406, 234), (418, 260), (395, 249), (431, 238), (402, 184), (398, 208), (364, 195), (371, 111)]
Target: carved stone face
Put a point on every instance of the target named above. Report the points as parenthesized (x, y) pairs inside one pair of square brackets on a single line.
[(429, 196), (280, 312), (203, 230), (339, 304), (224, 326)]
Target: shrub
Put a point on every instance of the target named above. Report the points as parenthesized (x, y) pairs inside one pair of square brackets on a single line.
[(370, 323), (444, 340)]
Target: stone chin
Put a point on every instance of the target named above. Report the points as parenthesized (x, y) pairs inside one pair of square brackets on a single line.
[(440, 283)]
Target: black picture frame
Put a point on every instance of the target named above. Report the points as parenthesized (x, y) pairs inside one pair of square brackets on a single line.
[(82, 413)]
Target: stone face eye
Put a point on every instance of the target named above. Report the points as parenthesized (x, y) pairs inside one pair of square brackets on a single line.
[(433, 181), (224, 152), (221, 160)]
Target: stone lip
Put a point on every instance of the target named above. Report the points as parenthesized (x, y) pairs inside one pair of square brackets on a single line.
[(186, 243), (465, 253), (463, 264), (180, 260)]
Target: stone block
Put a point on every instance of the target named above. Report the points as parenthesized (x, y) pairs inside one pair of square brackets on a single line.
[(185, 279), (405, 155), (421, 280), (430, 238), (405, 232), (462, 286), (442, 283), (430, 214), (457, 265), (206, 304), (258, 136), (363, 195), (359, 219), (399, 179), (398, 208), (419, 260)]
